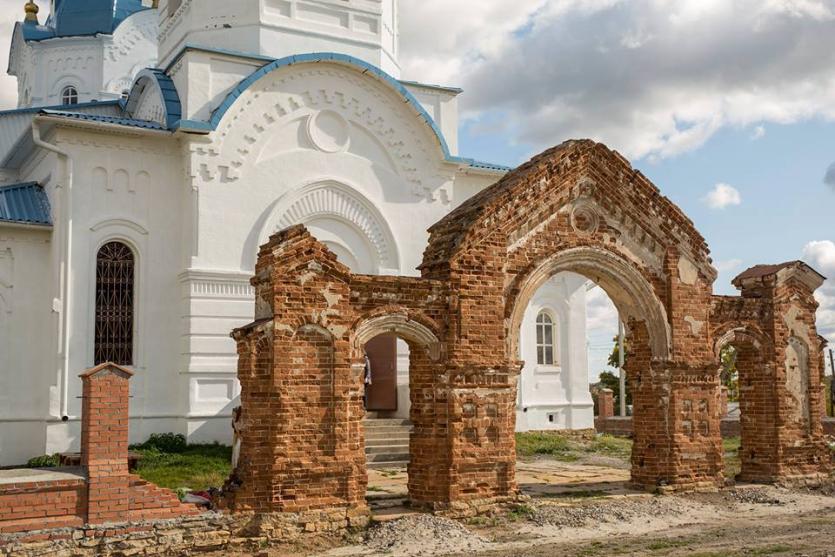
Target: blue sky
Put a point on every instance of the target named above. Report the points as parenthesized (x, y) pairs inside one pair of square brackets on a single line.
[(727, 105), (778, 171)]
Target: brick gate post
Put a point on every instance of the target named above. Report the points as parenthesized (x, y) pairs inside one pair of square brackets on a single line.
[(104, 442)]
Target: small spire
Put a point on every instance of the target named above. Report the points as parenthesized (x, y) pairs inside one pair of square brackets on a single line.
[(31, 10)]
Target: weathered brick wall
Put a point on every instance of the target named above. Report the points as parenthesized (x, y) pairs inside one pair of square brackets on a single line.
[(579, 207), (771, 324), (582, 208)]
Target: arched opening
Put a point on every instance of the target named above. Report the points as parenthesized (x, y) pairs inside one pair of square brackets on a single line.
[(397, 467), (751, 403), (114, 304), (553, 388), (647, 337)]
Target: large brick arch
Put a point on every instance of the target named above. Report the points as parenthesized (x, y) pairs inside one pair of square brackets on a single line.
[(579, 207)]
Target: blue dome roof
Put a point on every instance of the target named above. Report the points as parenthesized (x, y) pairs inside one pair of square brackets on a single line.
[(72, 18)]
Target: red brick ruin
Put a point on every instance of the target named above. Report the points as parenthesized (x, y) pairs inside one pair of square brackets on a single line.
[(578, 207)]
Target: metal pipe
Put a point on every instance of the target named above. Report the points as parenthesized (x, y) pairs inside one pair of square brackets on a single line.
[(64, 265), (621, 370)]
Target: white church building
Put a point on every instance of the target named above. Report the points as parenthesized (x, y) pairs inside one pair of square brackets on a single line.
[(156, 145)]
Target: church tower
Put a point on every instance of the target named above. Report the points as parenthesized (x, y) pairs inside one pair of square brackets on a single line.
[(365, 29), (84, 50)]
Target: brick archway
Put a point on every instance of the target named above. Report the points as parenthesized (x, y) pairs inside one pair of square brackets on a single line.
[(577, 207), (626, 287)]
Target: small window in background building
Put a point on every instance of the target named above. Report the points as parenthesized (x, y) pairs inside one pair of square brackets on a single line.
[(69, 95), (544, 339)]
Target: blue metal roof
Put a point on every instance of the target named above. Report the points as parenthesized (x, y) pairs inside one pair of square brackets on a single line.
[(131, 122), (25, 203), (73, 18), (167, 90), (365, 67), (113, 103)]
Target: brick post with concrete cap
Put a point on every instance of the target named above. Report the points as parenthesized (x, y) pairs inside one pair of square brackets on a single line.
[(605, 404), (104, 442)]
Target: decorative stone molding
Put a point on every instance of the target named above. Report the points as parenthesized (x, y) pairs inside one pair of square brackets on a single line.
[(331, 198), (323, 90)]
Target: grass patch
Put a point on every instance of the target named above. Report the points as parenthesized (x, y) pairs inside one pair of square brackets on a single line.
[(733, 464), (520, 512), (609, 445), (570, 448), (667, 544), (195, 467)]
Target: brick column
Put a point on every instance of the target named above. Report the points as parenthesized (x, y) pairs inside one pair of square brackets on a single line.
[(605, 404), (104, 442)]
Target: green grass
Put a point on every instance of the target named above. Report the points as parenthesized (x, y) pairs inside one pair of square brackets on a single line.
[(571, 448), (550, 444), (196, 467), (733, 464)]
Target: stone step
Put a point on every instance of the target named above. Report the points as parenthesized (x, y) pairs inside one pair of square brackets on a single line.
[(382, 435), (387, 449), (387, 441), (393, 513), (386, 422), (400, 464), (387, 457)]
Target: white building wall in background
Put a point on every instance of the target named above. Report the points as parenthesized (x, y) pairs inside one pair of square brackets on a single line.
[(326, 145), (557, 396)]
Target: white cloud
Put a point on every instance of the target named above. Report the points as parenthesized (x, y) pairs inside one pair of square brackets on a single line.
[(758, 133), (10, 12), (651, 78), (729, 265), (723, 196), (821, 256)]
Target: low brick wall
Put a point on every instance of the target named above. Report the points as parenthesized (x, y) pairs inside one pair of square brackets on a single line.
[(622, 427), (101, 490), (35, 500)]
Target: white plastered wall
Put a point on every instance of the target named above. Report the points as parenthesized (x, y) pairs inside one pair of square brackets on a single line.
[(556, 397)]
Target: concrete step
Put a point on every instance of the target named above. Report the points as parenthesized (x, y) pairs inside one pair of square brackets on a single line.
[(387, 449), (390, 457), (385, 434), (401, 464), (386, 442), (386, 422)]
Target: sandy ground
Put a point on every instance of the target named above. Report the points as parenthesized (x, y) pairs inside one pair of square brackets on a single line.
[(587, 510)]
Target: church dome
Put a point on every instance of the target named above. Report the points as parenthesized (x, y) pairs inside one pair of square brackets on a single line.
[(73, 18)]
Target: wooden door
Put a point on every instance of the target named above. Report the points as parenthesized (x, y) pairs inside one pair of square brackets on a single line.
[(382, 392)]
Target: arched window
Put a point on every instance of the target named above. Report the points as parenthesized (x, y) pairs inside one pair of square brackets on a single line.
[(545, 351), (114, 304), (69, 95)]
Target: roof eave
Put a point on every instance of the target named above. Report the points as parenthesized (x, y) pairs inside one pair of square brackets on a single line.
[(94, 125)]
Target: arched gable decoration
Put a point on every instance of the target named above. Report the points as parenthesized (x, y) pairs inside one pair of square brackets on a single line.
[(330, 198), (405, 143)]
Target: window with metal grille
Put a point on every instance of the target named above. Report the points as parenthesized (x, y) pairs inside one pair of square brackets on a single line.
[(114, 304), (544, 340)]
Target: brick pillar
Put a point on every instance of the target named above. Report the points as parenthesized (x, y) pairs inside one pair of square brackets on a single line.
[(605, 404), (104, 442)]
